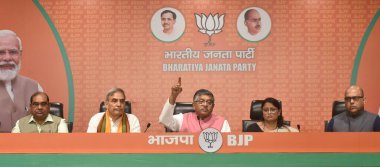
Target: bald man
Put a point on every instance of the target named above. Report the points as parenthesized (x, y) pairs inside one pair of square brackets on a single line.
[(355, 118), (252, 20)]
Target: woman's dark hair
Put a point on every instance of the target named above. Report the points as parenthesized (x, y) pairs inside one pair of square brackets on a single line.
[(277, 104)]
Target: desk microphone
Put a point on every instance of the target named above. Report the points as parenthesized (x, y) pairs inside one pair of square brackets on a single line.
[(299, 127), (147, 127), (199, 121)]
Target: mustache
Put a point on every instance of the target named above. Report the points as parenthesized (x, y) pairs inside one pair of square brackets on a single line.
[(7, 63)]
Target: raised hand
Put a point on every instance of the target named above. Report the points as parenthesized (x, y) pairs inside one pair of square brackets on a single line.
[(176, 90)]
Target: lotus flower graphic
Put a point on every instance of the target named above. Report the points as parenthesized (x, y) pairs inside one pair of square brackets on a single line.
[(210, 137), (211, 24)]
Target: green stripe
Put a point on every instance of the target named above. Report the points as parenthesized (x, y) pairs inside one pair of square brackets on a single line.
[(191, 160), (355, 69), (65, 60)]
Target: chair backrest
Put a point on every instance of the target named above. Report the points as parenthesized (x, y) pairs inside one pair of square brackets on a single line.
[(56, 109), (246, 124), (181, 107), (128, 107), (338, 107), (256, 114)]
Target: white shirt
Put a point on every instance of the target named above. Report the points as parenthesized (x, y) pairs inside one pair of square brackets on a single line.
[(134, 124), (174, 122), (8, 87), (174, 35), (62, 127)]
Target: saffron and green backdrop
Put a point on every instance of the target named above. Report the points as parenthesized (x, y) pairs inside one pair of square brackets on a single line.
[(79, 49)]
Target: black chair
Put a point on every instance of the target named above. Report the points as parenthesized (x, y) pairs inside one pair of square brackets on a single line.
[(337, 108), (56, 109), (128, 107), (181, 107), (256, 114), (246, 124)]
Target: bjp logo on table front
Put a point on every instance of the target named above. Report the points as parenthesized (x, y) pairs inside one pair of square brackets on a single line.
[(210, 140)]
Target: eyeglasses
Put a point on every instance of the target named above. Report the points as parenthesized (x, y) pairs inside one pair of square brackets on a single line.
[(11, 52), (270, 110), (208, 102), (354, 98), (36, 104), (122, 101)]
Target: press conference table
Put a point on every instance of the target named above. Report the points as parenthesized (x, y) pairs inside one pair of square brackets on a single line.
[(266, 149)]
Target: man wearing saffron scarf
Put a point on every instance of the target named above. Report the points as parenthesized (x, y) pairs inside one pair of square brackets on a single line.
[(203, 103), (114, 119)]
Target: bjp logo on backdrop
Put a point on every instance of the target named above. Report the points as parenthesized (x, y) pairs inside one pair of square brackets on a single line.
[(209, 25)]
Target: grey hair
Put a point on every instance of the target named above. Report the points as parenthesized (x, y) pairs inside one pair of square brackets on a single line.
[(6, 33), (113, 91), (201, 92)]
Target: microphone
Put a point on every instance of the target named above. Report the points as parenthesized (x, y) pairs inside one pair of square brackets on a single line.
[(299, 127), (199, 121), (147, 127)]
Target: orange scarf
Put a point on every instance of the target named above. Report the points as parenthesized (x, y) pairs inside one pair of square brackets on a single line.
[(104, 125)]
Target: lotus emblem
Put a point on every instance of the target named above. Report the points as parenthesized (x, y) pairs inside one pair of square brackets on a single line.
[(210, 25)]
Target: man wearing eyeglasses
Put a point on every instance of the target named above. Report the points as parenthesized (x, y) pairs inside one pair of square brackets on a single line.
[(203, 103), (15, 89), (355, 119), (114, 119), (40, 120)]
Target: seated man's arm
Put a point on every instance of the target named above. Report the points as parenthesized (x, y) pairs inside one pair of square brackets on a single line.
[(330, 126), (62, 127), (134, 123), (226, 127), (16, 129), (93, 124), (376, 126), (168, 120)]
